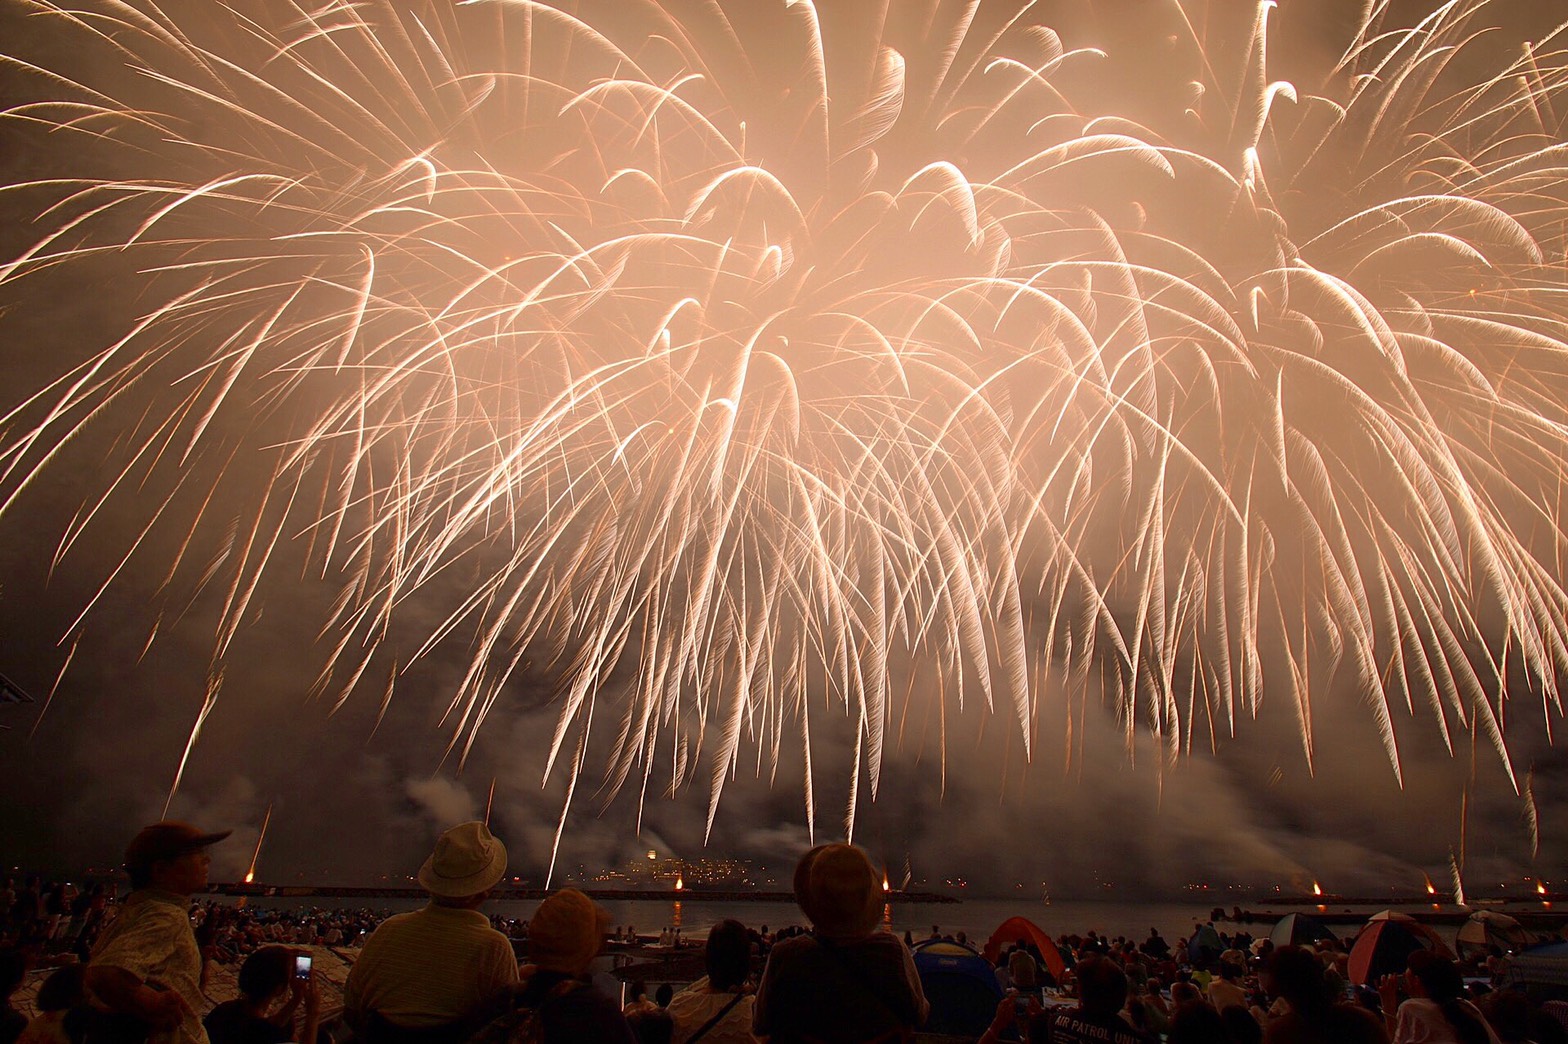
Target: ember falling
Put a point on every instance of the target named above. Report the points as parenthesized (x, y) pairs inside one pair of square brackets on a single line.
[(636, 404)]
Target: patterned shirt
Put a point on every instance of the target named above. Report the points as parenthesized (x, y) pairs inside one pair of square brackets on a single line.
[(152, 939), (696, 1004)]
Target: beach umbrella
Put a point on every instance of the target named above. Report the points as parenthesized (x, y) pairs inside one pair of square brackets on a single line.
[(961, 986), (1021, 929), (1298, 930), (1384, 945), (1487, 928)]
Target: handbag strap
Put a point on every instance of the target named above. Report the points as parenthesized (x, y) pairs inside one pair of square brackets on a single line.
[(702, 1031)]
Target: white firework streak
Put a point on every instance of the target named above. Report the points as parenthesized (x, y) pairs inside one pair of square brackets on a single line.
[(209, 700), (900, 376)]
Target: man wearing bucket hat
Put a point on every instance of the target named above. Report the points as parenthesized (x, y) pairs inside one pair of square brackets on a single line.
[(424, 976), (846, 981), (144, 978)]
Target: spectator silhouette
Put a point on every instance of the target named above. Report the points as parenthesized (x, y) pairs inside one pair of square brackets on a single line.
[(427, 977), (1314, 1016), (146, 968), (266, 979), (555, 1002), (846, 981), (717, 1009)]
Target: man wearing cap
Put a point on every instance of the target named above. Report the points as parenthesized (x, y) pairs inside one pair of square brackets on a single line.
[(146, 968), (423, 976)]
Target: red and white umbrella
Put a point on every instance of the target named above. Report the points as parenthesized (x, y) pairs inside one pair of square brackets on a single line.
[(1384, 945)]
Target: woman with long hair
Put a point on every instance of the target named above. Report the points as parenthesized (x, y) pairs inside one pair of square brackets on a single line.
[(1435, 1009)]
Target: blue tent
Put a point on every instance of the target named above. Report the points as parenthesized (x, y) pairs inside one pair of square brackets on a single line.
[(961, 986), (1543, 966)]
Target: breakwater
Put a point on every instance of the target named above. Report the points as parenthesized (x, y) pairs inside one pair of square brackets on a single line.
[(692, 895)]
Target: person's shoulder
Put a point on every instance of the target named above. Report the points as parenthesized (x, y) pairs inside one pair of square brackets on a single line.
[(877, 943), (691, 995), (795, 944), (1075, 1024), (1423, 1009), (396, 921), (230, 1023), (155, 909), (12, 1025), (580, 1002), (887, 940), (1356, 1023), (225, 1010)]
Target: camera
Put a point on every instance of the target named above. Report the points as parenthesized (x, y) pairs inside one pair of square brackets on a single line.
[(302, 966)]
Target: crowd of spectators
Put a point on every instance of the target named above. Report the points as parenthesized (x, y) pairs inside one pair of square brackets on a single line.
[(1213, 988), (133, 972)]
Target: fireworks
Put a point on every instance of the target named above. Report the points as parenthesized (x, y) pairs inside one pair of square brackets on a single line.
[(748, 366)]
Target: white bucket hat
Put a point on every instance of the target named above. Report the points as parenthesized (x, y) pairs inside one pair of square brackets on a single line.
[(468, 860)]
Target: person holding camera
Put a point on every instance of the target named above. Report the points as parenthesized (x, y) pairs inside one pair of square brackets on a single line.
[(274, 982), (1434, 1007)]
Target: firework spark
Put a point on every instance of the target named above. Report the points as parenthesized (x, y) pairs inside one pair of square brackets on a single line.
[(250, 872), (777, 358)]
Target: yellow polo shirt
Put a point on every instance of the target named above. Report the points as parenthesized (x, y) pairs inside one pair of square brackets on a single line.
[(430, 967)]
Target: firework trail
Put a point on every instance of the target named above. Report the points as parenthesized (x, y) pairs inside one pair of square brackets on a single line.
[(250, 873), (209, 700), (735, 362), (1532, 815)]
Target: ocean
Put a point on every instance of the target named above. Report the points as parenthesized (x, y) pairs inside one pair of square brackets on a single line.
[(976, 918)]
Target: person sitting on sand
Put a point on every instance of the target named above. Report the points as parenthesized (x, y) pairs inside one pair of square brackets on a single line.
[(270, 995), (13, 969), (1436, 1009), (1313, 1015), (428, 975), (555, 1002), (717, 1008), (60, 992), (846, 981), (145, 972), (1226, 991), (1102, 988)]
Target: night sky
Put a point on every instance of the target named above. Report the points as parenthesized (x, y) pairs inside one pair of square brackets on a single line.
[(148, 473)]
